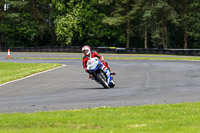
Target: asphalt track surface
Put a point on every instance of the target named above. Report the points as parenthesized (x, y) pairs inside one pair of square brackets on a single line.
[(138, 82)]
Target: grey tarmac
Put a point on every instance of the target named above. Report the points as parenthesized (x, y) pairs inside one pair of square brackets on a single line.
[(138, 82)]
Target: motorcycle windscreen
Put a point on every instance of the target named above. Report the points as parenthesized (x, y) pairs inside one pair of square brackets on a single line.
[(92, 64)]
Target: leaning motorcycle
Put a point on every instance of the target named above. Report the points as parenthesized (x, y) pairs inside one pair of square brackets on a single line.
[(100, 73)]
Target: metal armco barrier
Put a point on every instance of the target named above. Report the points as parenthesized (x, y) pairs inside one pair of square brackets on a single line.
[(77, 49)]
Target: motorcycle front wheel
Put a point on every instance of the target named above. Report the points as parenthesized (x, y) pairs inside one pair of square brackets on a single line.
[(102, 79)]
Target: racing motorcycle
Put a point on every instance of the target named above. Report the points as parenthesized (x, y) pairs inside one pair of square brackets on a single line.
[(100, 73)]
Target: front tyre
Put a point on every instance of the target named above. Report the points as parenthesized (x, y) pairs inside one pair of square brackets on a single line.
[(112, 84), (102, 79)]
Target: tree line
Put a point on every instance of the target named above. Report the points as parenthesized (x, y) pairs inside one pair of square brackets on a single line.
[(119, 23)]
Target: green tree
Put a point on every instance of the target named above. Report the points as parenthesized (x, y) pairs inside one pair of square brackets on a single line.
[(122, 14), (145, 21), (183, 19), (44, 13), (67, 23), (188, 19), (162, 13), (18, 29), (80, 22), (27, 23), (194, 15), (2, 22), (96, 33), (122, 23)]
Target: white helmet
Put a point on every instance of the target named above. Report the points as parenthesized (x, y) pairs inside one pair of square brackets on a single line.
[(86, 50)]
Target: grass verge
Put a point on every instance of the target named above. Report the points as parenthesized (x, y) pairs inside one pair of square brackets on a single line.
[(149, 57), (182, 118), (13, 71), (154, 58)]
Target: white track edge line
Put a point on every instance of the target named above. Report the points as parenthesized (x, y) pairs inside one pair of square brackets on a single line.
[(32, 75)]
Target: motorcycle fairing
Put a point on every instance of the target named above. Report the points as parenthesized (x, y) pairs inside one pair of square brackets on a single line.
[(94, 64)]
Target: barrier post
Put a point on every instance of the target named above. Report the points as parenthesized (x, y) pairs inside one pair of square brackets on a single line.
[(8, 53)]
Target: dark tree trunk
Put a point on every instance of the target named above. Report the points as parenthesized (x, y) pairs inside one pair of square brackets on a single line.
[(185, 39), (145, 40), (34, 9), (163, 34), (128, 27), (128, 33), (53, 34)]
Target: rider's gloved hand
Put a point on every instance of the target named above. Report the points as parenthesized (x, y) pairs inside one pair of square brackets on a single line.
[(101, 61)]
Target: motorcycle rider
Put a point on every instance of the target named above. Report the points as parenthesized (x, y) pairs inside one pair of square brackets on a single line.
[(91, 54)]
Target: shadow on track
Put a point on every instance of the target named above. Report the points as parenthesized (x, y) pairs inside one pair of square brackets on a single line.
[(98, 88)]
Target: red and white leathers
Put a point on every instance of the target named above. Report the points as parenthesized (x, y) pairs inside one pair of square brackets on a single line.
[(93, 54), (88, 55)]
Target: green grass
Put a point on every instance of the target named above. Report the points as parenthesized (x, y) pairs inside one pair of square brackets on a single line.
[(154, 58), (48, 58), (184, 118), (131, 57), (13, 71)]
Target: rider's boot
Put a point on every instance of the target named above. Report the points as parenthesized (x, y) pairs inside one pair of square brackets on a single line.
[(112, 73)]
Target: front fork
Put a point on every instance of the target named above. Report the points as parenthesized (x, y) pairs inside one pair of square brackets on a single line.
[(107, 73)]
